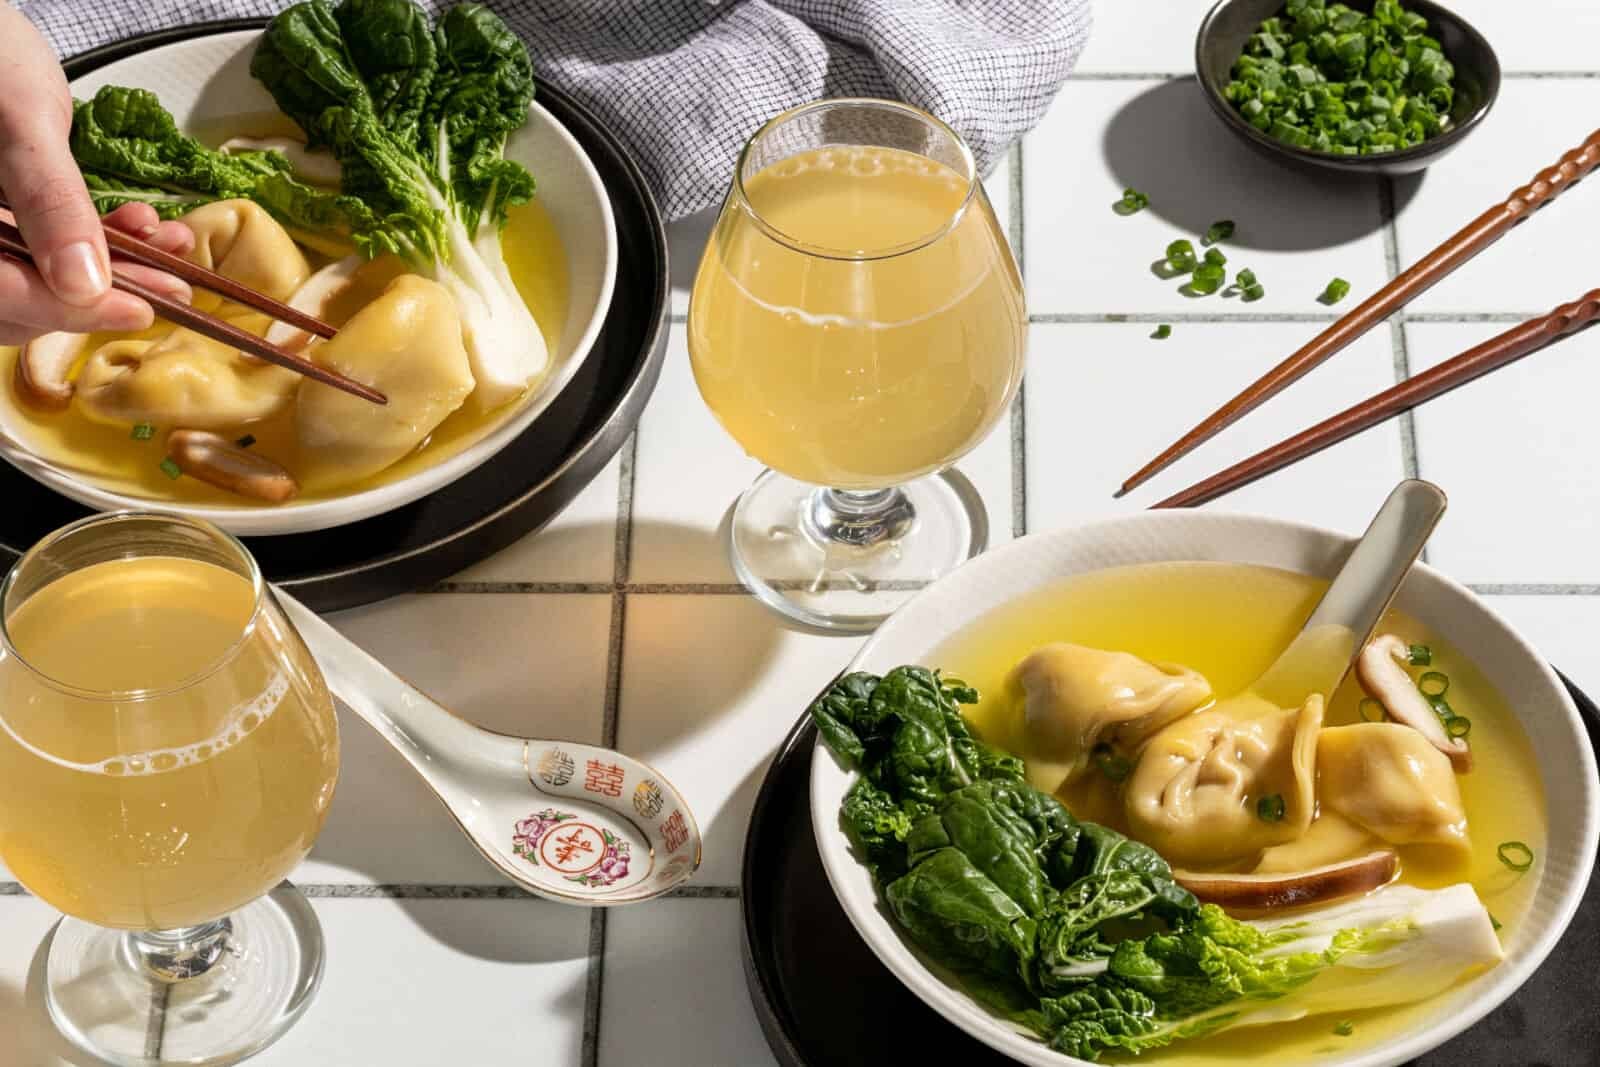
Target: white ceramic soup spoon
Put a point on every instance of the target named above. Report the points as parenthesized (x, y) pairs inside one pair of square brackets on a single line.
[(570, 822)]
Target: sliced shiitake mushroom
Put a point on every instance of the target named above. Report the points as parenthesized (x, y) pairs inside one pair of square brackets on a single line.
[(1382, 672), (1296, 889), (218, 461), (43, 365), (313, 297)]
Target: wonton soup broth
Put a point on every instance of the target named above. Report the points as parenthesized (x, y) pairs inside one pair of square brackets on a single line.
[(1229, 622), (106, 454)]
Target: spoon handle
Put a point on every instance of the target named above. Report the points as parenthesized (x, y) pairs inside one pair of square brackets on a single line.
[(1317, 660)]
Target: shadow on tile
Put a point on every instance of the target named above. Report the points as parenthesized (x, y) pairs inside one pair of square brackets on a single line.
[(530, 938), (25, 1026), (1166, 143), (686, 239)]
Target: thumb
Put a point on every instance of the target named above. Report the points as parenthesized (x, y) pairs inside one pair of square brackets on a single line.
[(39, 176)]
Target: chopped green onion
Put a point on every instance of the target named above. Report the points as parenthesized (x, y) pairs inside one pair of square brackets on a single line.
[(1220, 230), (1111, 765), (1420, 655), (1515, 855), (1270, 808), (1371, 710), (1434, 684), (142, 431), (1208, 278), (170, 468), (1493, 921), (1132, 201), (1163, 332), (1215, 257), (1253, 293), (1344, 1028), (1245, 278), (1458, 726), (246, 441), (1180, 256), (1336, 291)]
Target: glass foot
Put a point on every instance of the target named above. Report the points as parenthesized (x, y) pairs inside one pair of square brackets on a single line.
[(210, 995), (843, 561)]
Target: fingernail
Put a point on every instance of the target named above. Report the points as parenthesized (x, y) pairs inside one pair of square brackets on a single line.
[(76, 273)]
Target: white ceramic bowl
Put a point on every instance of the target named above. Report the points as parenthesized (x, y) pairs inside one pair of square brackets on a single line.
[(1542, 704), (208, 78)]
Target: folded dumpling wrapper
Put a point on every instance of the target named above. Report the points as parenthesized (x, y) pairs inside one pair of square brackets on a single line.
[(1390, 780), (407, 345)]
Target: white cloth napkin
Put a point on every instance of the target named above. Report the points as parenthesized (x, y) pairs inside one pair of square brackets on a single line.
[(684, 83)]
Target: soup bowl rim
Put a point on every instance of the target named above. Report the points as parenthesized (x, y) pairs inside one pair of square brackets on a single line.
[(987, 582)]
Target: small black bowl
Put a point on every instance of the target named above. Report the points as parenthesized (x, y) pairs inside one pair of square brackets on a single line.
[(1229, 25)]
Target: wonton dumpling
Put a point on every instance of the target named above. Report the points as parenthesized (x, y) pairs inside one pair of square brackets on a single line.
[(407, 345), (181, 379), (1389, 779), (239, 240), (1331, 838), (1075, 697), (1193, 794)]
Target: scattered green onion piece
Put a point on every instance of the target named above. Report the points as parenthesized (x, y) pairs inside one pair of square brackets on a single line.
[(1215, 257), (1434, 684), (1208, 278), (1336, 291), (1344, 1028), (1180, 256), (142, 431), (1220, 230), (1515, 855), (1458, 726), (1270, 808), (1245, 278), (1421, 655), (1111, 765), (1493, 921), (1132, 201), (170, 468), (1253, 293), (246, 441), (1163, 332), (1371, 710)]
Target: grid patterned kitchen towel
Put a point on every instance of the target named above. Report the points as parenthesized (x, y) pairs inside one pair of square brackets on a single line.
[(685, 82)]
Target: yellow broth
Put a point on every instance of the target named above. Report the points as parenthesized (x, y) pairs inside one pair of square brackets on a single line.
[(108, 456), (1229, 622)]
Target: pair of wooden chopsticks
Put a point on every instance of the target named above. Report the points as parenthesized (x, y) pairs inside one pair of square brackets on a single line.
[(174, 311), (1496, 352)]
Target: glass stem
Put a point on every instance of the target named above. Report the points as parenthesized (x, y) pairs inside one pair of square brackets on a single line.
[(864, 519), (180, 954)]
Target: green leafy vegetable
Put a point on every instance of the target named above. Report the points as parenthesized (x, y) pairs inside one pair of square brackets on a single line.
[(1336, 291), (1162, 331), (1220, 230), (1079, 933), (1333, 79), (1180, 256)]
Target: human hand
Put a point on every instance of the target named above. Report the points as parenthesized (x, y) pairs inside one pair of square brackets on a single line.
[(71, 288)]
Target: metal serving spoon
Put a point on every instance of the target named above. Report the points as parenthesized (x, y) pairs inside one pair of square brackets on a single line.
[(1322, 653), (570, 822)]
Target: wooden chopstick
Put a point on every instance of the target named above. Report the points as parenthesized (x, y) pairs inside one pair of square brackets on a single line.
[(12, 244), (1410, 283), (1475, 362), (130, 247)]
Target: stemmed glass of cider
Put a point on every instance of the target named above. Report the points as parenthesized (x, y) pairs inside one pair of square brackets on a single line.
[(168, 752), (857, 325)]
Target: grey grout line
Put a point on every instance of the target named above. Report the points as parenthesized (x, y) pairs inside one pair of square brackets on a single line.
[(1535, 589), (155, 1027), (1167, 75), (622, 550), (1467, 316), (1095, 317), (1019, 403), (593, 989), (1397, 330), (552, 588), (12, 889)]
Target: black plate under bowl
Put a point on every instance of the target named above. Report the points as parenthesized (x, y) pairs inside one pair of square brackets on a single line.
[(824, 1000), (516, 492)]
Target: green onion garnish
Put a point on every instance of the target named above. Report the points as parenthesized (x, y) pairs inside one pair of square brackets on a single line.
[(170, 468), (1215, 257), (1371, 710), (1220, 230), (1163, 332), (1208, 278), (1421, 655), (1458, 726), (1344, 1028), (246, 441), (142, 431), (1245, 278), (1111, 765), (1516, 855), (1132, 200), (1493, 921), (1434, 684), (1180, 256), (1270, 808), (1336, 291), (1253, 293)]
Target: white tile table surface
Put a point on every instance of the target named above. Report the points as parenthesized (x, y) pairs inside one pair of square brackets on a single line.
[(622, 623)]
